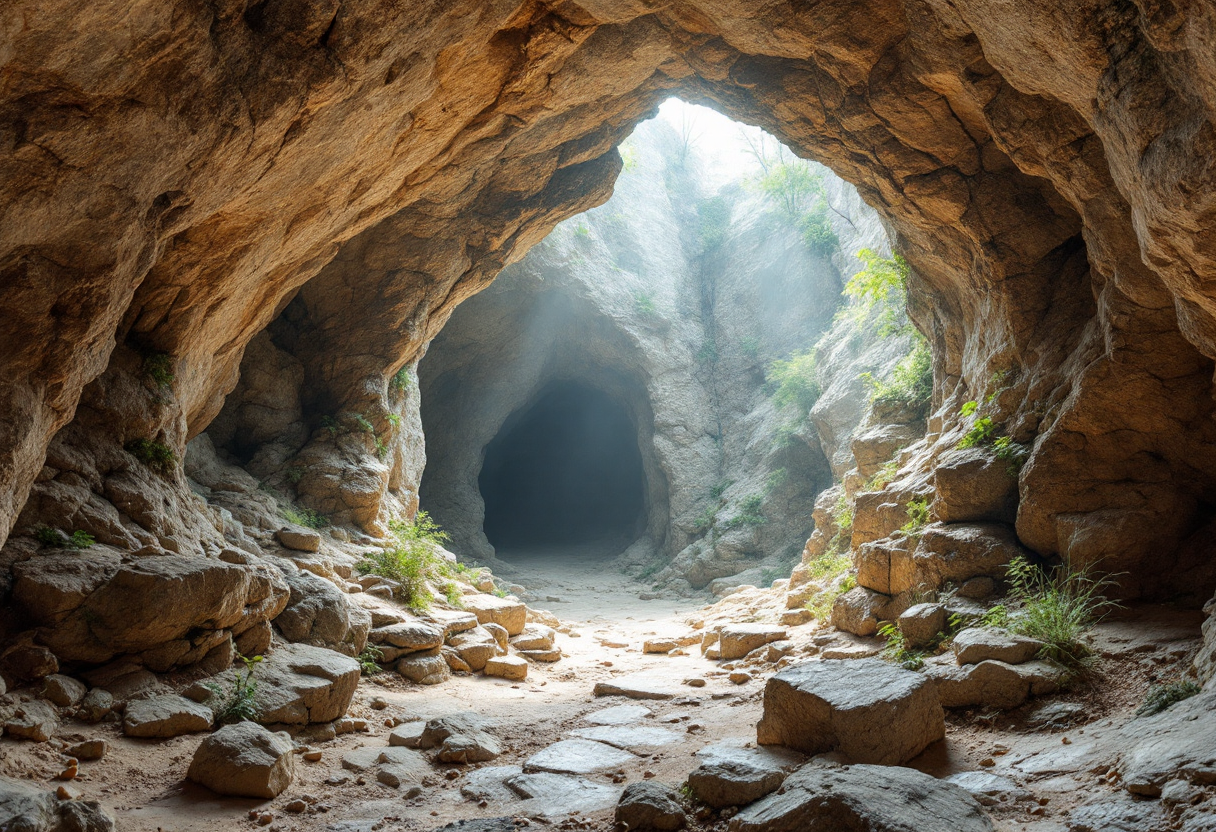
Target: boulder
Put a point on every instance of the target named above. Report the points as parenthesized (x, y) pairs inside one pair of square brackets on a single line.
[(35, 720), (27, 808), (534, 637), (88, 750), (648, 806), (859, 610), (990, 683), (429, 668), (461, 738), (644, 685), (64, 691), (547, 656), (978, 644), (922, 624), (455, 663), (499, 632), (95, 706), (28, 662), (512, 668), (821, 798), (166, 716), (298, 538), (956, 552), (319, 614), (972, 484), (476, 647), (244, 760), (512, 616), (408, 635), (407, 734), (731, 775), (869, 710), (737, 640), (989, 789), (1178, 743), (885, 565), (299, 684), (578, 756)]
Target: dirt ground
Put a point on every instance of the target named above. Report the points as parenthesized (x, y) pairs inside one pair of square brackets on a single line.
[(143, 782)]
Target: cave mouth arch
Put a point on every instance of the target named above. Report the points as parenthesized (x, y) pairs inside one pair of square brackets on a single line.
[(564, 469)]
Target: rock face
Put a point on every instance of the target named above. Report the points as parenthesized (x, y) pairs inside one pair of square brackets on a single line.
[(819, 798), (316, 216), (869, 710), (244, 760)]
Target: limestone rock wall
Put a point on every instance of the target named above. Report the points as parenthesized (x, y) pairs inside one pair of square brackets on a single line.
[(171, 184)]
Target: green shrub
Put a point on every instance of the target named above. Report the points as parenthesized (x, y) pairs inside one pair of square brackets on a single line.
[(704, 521), (629, 156), (911, 380), (155, 455), (364, 425), (794, 381), (330, 424), (918, 516), (879, 291), (582, 230), (883, 476), (401, 379), (828, 565), (750, 512), (369, 660), (1014, 454), (453, 595), (897, 649), (301, 516), (817, 233), (1056, 607), (842, 516), (412, 561), (720, 487), (295, 473), (59, 540), (80, 540), (1164, 695), (394, 419), (714, 215), (48, 536), (644, 305), (240, 705), (776, 479), (158, 366)]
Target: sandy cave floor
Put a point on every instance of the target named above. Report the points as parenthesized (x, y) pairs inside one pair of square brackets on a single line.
[(143, 782)]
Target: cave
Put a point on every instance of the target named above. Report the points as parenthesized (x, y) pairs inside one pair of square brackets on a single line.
[(565, 470)]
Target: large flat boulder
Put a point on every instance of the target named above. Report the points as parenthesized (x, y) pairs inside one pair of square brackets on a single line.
[(461, 738), (166, 716), (869, 710), (578, 756), (820, 798), (737, 640), (972, 484), (408, 635), (731, 775), (320, 614), (978, 644), (644, 685), (490, 609), (647, 806), (1177, 744), (299, 684), (991, 684), (244, 760)]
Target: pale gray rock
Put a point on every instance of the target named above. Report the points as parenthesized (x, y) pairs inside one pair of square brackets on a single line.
[(34, 720), (988, 788), (978, 644), (244, 760), (618, 715), (27, 808), (636, 738), (578, 756), (64, 691), (461, 738), (819, 798), (866, 709), (298, 684), (95, 706), (166, 716), (555, 796), (425, 668), (1118, 813), (649, 806), (639, 686)]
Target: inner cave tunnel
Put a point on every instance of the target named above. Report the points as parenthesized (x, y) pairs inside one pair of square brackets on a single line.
[(564, 470)]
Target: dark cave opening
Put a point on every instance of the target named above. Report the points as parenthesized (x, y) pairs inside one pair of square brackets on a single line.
[(564, 470)]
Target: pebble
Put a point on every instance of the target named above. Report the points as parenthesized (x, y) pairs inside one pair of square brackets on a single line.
[(67, 793), (312, 756), (695, 682), (296, 806), (379, 703), (739, 677)]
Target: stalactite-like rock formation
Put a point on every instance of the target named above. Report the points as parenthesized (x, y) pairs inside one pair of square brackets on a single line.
[(174, 176)]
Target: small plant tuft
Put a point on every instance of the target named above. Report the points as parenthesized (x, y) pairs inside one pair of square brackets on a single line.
[(158, 366), (1164, 695), (303, 517), (897, 649), (401, 380), (412, 561), (369, 660), (240, 705), (793, 382), (918, 516), (157, 456)]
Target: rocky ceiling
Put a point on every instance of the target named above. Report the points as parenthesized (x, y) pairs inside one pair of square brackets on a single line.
[(174, 172)]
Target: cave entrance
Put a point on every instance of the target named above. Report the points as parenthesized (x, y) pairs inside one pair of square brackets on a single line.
[(564, 470)]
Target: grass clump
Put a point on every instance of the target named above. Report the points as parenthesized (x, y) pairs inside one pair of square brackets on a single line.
[(412, 561), (305, 517), (918, 516), (822, 602), (897, 649), (240, 704), (59, 540), (751, 512), (401, 380), (644, 305), (157, 456), (1164, 695), (369, 660), (158, 366), (794, 382), (842, 516), (911, 381), (1057, 607)]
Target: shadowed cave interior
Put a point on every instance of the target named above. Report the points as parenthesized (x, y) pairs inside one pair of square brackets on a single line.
[(565, 469)]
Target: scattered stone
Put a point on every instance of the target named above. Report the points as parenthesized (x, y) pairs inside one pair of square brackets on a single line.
[(578, 756), (504, 824), (991, 684), (35, 720), (989, 789), (797, 617), (512, 616), (499, 633), (67, 793), (649, 807), (923, 624), (695, 682), (425, 669), (407, 735), (88, 750), (659, 645), (740, 677), (407, 763), (408, 635), (298, 539), (618, 715), (534, 637), (547, 656), (489, 784), (1057, 715), (735, 779), (166, 716), (64, 691), (978, 644), (874, 798), (28, 662), (461, 738), (295, 806), (869, 710), (477, 646), (349, 725), (552, 796), (244, 760), (27, 808), (312, 756), (512, 668), (637, 686), (737, 640), (636, 738)]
